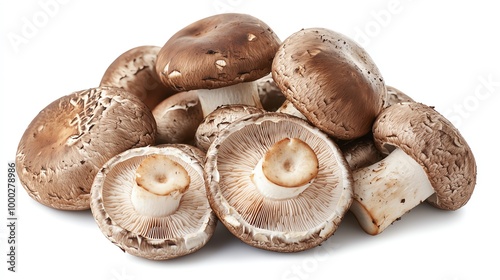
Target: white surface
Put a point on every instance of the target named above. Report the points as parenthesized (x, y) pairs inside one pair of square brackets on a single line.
[(443, 54)]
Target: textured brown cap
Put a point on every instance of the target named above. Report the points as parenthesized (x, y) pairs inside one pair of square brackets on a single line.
[(217, 51), (66, 144), (134, 71), (432, 141), (331, 80)]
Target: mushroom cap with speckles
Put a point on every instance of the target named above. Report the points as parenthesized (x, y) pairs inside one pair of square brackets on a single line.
[(219, 119), (66, 144), (134, 71), (432, 141), (183, 232), (283, 225), (331, 80), (178, 117), (217, 51)]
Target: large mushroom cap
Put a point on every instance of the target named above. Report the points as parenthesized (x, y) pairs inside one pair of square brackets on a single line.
[(159, 237), (69, 140), (134, 71), (331, 80), (432, 141), (282, 224), (217, 51)]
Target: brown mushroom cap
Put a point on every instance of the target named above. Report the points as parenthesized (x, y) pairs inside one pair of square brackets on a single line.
[(331, 80), (219, 119), (285, 225), (69, 140), (134, 71), (217, 51), (432, 141), (178, 117), (177, 234)]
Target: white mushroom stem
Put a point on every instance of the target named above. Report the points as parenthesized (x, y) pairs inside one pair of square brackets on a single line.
[(242, 93), (386, 190), (286, 170), (160, 184)]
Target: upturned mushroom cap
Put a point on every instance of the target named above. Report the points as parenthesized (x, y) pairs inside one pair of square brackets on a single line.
[(134, 71), (432, 141), (217, 51), (178, 117), (184, 230), (331, 80), (219, 119), (279, 223), (66, 144)]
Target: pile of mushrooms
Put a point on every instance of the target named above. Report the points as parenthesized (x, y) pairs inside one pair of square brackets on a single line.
[(277, 140)]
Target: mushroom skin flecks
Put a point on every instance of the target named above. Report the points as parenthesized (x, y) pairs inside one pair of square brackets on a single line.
[(70, 139)]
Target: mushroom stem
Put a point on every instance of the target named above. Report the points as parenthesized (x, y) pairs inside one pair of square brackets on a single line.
[(160, 184), (286, 170), (386, 190), (242, 93)]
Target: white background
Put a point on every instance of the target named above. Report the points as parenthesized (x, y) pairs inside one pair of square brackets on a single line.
[(445, 55)]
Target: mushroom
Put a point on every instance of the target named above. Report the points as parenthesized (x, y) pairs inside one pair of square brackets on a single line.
[(361, 152), (178, 117), (428, 160), (270, 94), (151, 201), (219, 119), (134, 71), (277, 183), (66, 144), (394, 96), (331, 80), (220, 56)]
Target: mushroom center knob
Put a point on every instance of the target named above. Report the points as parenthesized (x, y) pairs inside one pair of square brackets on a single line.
[(162, 176), (161, 182), (290, 163)]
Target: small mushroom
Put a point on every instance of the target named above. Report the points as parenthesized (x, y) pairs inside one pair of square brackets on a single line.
[(178, 117), (427, 159), (394, 96), (134, 71), (219, 119), (151, 201), (277, 183), (66, 144), (361, 152), (270, 94), (331, 80), (220, 56)]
